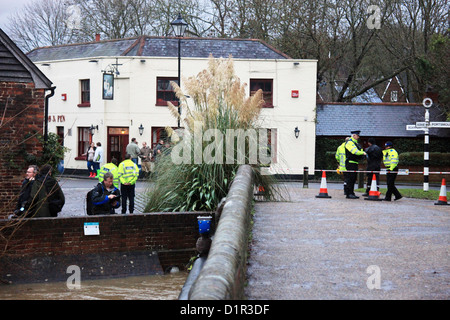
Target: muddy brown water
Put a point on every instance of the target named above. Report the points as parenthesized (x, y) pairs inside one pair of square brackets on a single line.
[(154, 287)]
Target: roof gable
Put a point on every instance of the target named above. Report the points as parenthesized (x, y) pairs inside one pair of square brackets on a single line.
[(15, 66)]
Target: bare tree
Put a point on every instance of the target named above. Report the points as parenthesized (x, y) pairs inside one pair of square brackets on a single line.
[(41, 23), (353, 56)]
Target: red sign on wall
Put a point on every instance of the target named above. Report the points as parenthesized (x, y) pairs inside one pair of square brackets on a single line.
[(295, 94)]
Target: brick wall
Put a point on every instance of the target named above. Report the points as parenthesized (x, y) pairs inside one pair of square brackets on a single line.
[(43, 248), (21, 116)]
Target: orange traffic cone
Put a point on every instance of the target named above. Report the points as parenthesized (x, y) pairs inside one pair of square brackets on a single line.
[(323, 193), (442, 195), (374, 194), (259, 194)]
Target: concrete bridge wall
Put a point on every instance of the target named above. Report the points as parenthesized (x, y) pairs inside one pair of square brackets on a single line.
[(223, 274)]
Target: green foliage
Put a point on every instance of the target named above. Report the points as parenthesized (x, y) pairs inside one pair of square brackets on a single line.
[(325, 151), (189, 187), (53, 151), (434, 69), (416, 159), (19, 158), (413, 193)]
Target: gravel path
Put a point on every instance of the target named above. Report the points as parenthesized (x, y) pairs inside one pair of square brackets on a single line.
[(338, 248)]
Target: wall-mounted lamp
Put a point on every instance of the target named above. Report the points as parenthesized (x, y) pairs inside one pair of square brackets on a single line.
[(141, 129), (296, 63), (296, 132), (92, 129), (93, 60), (45, 64)]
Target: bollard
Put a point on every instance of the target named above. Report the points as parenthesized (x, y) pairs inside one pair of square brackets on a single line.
[(360, 180), (305, 177)]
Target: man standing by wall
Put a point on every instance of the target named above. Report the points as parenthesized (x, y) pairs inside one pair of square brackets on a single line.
[(128, 175), (133, 150), (32, 200), (98, 158), (353, 153), (146, 156)]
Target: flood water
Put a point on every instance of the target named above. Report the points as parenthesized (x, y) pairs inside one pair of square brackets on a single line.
[(154, 287)]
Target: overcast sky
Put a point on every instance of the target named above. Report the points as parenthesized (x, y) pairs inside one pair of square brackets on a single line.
[(8, 7)]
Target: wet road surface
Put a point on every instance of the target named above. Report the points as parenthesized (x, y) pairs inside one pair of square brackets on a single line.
[(340, 248)]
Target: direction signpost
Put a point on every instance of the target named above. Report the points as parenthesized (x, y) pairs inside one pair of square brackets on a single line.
[(425, 126), (432, 125), (411, 127)]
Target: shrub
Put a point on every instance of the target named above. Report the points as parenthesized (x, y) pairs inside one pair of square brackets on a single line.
[(416, 159)]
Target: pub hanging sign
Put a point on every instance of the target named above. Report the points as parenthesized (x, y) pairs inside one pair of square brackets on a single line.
[(108, 86)]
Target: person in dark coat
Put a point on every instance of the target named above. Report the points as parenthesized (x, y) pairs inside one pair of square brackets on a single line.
[(105, 196), (374, 157), (56, 199), (32, 200)]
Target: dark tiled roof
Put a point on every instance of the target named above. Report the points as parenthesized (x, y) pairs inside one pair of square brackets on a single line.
[(82, 50), (160, 47), (375, 120), (15, 66)]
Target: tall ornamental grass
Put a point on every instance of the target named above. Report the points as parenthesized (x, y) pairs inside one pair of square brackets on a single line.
[(218, 101)]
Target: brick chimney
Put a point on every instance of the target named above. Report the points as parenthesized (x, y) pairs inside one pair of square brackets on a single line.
[(97, 37)]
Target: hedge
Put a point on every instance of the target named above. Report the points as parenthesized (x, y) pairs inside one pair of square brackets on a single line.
[(437, 159), (410, 152)]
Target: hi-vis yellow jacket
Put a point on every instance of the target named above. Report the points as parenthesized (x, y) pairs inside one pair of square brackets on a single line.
[(353, 151), (340, 157), (128, 172), (390, 158), (109, 167)]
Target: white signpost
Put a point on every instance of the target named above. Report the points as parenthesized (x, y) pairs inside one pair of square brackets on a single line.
[(433, 125), (425, 126), (411, 127)]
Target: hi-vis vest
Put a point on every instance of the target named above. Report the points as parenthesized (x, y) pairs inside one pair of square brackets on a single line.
[(128, 172), (390, 158), (109, 167), (353, 151), (340, 156)]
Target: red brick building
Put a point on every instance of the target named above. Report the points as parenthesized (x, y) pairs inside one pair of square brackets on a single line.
[(22, 114), (394, 91)]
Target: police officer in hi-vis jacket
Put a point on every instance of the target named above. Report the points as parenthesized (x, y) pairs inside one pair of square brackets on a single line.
[(353, 153), (390, 160), (128, 173)]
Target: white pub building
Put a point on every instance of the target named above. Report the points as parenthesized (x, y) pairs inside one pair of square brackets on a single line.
[(114, 90)]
